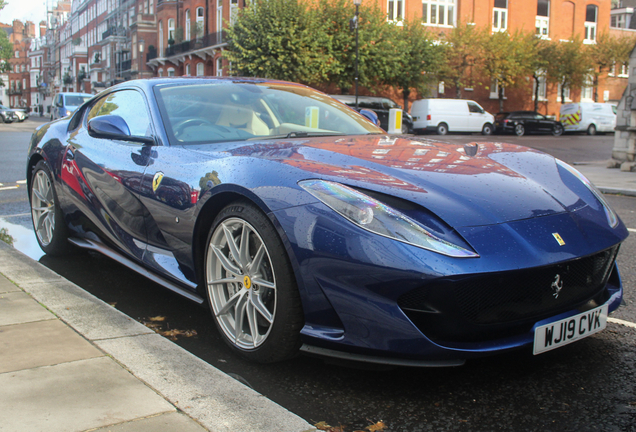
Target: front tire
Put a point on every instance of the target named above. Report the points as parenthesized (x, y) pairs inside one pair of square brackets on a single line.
[(442, 129), (251, 287), (591, 130), (48, 220), (520, 130)]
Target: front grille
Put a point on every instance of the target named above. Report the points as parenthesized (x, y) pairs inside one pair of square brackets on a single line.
[(520, 296)]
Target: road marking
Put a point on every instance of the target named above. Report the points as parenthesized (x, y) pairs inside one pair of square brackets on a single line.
[(14, 215), (619, 321), (8, 188), (21, 182), (631, 229)]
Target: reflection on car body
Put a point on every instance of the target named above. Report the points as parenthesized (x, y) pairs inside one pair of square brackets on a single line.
[(305, 226)]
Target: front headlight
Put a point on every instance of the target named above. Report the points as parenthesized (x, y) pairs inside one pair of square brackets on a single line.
[(378, 218), (612, 219)]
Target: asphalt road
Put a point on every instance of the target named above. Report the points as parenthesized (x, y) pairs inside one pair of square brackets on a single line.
[(586, 386)]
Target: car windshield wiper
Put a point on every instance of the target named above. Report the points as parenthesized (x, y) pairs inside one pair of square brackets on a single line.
[(296, 134)]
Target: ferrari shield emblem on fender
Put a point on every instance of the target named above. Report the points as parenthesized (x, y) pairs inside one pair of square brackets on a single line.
[(156, 181), (558, 238)]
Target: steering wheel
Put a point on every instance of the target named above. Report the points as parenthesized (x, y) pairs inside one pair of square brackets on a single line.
[(178, 129)]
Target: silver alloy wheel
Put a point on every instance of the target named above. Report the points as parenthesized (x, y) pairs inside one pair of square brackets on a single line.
[(43, 207), (241, 283)]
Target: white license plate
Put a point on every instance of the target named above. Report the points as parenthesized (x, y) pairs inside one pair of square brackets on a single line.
[(559, 333)]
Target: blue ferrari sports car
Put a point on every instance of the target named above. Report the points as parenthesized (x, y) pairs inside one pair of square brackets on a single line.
[(306, 228)]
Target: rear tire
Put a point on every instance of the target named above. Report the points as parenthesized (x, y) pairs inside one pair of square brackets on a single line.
[(442, 129), (48, 220), (557, 130), (251, 287), (591, 129)]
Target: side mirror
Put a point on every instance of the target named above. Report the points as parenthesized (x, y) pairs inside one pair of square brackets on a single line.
[(371, 115), (114, 127)]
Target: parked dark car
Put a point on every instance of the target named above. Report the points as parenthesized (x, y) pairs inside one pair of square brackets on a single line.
[(523, 122), (305, 227), (7, 115), (381, 106)]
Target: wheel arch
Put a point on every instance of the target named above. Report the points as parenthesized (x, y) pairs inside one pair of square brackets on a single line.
[(212, 207), (33, 161)]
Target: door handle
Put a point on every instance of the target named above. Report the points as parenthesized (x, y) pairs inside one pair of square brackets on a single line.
[(70, 155)]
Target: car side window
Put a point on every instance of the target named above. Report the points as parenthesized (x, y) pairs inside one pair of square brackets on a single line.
[(474, 108), (129, 105)]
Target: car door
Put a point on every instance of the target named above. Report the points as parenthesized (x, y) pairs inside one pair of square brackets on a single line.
[(475, 117), (544, 124), (103, 176)]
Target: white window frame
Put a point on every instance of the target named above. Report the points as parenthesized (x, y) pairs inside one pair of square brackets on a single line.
[(171, 29), (234, 8), (395, 10), (494, 89), (161, 50), (432, 10), (567, 94), (200, 69), (500, 18), (590, 27), (219, 66), (543, 86), (624, 73), (170, 71), (200, 29), (187, 70), (219, 15), (587, 90), (188, 26)]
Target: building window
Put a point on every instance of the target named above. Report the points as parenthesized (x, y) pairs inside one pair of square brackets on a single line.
[(395, 10), (500, 15), (187, 25), (161, 52), (566, 93), (438, 12), (542, 84), (200, 69), (187, 70), (170, 72), (587, 91), (171, 30), (494, 89), (219, 66), (234, 7), (17, 54), (160, 72), (591, 13), (624, 69), (219, 15), (542, 22), (200, 23)]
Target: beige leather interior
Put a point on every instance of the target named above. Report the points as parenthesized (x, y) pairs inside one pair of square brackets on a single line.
[(244, 118)]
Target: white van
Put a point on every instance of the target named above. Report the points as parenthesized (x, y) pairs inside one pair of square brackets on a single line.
[(454, 115), (588, 117)]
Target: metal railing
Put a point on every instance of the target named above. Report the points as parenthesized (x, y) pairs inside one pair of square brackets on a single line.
[(205, 41)]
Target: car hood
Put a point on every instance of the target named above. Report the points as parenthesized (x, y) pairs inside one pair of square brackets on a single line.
[(500, 183)]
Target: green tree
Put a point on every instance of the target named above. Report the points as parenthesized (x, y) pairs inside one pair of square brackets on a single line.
[(568, 66), (507, 59), (463, 46), (6, 51), (607, 52), (376, 38), (418, 60), (539, 65), (277, 39)]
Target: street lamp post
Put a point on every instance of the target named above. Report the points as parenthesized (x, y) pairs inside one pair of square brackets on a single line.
[(356, 21)]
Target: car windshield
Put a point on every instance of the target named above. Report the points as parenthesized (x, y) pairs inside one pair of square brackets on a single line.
[(76, 100), (226, 111)]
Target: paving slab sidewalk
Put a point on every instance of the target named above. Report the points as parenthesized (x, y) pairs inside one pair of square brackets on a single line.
[(70, 362)]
